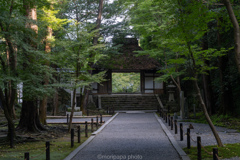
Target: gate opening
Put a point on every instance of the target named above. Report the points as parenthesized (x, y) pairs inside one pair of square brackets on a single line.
[(126, 83)]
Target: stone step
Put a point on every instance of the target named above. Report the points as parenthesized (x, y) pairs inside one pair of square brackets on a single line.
[(129, 102)]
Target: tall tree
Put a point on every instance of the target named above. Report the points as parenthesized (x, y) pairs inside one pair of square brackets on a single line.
[(98, 22), (79, 52), (29, 120), (95, 42), (235, 24), (49, 22), (8, 61), (178, 32)]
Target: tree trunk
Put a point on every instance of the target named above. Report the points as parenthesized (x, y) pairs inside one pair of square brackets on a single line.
[(72, 111), (55, 103), (43, 110), (85, 100), (219, 142), (95, 42), (29, 120), (98, 22), (200, 98), (235, 23), (8, 91), (226, 95), (43, 103), (6, 108), (208, 92)]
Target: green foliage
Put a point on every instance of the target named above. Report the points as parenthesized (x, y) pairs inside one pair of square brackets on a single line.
[(60, 149), (172, 32), (220, 120), (125, 82), (77, 55)]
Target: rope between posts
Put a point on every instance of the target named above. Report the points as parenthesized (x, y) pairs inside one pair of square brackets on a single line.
[(21, 150), (217, 157), (192, 138), (40, 153), (210, 153)]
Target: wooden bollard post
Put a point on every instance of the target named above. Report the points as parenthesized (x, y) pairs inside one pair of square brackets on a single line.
[(26, 156), (199, 154), (181, 132), (79, 134), (92, 125), (166, 117), (97, 122), (47, 150), (175, 124), (87, 112), (67, 118), (72, 137), (169, 120), (101, 118), (188, 138), (86, 129), (113, 111), (171, 123), (215, 154)]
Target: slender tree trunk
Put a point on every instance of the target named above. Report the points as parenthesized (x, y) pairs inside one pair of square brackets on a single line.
[(235, 23), (74, 94), (208, 92), (43, 103), (219, 142), (55, 102), (85, 100), (200, 98), (98, 22), (43, 110), (6, 109), (226, 95), (72, 111), (95, 42), (8, 68), (9, 95)]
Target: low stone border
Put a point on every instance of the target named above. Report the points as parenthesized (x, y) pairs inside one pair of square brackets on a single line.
[(73, 153), (182, 154), (60, 117)]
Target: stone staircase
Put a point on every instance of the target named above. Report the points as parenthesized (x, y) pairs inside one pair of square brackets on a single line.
[(129, 101)]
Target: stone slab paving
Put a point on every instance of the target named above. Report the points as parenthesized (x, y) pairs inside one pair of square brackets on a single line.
[(136, 136)]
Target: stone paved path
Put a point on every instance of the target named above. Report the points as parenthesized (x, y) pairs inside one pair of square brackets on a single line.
[(130, 136)]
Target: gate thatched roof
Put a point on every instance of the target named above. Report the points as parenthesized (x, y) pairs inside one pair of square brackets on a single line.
[(128, 59)]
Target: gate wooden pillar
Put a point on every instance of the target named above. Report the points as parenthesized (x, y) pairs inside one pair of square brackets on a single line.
[(142, 81)]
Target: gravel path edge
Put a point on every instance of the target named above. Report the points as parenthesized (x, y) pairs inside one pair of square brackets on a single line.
[(180, 151)]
